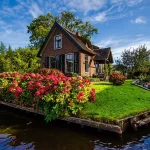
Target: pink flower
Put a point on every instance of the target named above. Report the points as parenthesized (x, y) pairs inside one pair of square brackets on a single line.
[(37, 93), (55, 87), (79, 87)]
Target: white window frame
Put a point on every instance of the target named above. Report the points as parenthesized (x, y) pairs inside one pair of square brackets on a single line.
[(55, 40)]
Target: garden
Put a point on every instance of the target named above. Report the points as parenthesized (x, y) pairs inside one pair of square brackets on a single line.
[(49, 91), (56, 95)]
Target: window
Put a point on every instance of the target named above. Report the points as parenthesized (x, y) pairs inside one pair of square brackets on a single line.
[(86, 64), (69, 63), (58, 42)]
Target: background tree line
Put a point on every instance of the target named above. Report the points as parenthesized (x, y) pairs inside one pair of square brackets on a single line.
[(21, 59), (135, 62)]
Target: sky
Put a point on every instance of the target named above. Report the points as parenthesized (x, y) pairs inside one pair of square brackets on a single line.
[(122, 24)]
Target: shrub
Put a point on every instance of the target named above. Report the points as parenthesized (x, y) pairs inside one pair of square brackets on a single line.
[(48, 71), (54, 95), (148, 78), (117, 78), (94, 79)]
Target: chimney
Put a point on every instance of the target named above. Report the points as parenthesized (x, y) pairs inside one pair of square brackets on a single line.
[(78, 34)]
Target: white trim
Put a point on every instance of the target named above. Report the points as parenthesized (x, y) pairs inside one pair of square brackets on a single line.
[(54, 42)]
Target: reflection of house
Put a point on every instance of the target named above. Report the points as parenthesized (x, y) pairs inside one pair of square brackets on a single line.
[(72, 53)]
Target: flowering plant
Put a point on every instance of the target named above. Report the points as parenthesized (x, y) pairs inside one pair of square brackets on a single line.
[(117, 78), (55, 95)]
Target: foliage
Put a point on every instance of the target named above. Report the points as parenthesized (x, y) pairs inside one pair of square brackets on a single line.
[(3, 48), (116, 102), (117, 78), (48, 71), (21, 60), (109, 69), (147, 79), (95, 79), (40, 26), (136, 62), (54, 95)]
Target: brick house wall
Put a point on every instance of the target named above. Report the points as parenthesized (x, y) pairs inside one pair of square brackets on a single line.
[(91, 70), (67, 47)]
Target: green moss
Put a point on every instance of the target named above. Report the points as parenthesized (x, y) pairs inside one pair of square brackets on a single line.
[(117, 102)]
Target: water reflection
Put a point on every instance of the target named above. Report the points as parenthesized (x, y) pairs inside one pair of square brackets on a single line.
[(21, 131)]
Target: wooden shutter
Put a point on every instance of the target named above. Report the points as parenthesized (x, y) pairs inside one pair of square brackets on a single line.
[(46, 62), (76, 62), (57, 62), (62, 63)]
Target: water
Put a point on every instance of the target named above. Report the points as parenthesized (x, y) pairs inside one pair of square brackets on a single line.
[(21, 131)]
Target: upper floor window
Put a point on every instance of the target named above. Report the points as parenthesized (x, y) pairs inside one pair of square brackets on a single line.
[(58, 41)]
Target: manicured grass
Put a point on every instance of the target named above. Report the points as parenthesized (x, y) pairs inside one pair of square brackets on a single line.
[(116, 102)]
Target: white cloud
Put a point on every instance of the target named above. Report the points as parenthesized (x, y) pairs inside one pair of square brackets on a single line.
[(15, 38), (140, 20), (115, 12), (85, 5), (34, 10), (101, 17), (119, 44), (133, 2), (127, 2), (117, 51)]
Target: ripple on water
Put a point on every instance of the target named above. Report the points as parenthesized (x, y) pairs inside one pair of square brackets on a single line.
[(22, 132), (8, 142)]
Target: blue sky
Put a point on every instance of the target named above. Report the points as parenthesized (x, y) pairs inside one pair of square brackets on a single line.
[(121, 23)]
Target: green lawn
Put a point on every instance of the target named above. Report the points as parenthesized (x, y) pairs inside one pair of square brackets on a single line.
[(116, 102)]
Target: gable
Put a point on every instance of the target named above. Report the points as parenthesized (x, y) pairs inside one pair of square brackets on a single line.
[(67, 45), (54, 30)]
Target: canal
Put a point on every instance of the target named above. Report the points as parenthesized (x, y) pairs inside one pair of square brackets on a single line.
[(25, 131)]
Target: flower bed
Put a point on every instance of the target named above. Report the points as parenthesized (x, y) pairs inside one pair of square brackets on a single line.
[(54, 95), (142, 84)]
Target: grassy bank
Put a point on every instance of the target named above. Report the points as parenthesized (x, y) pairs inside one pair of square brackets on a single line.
[(116, 102)]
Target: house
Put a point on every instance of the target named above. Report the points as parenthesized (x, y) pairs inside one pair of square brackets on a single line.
[(71, 53)]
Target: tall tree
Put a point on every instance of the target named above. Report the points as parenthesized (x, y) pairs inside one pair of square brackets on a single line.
[(3, 48), (39, 29), (136, 61), (127, 60), (141, 60), (40, 26)]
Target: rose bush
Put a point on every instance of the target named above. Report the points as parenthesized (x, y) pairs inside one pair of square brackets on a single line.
[(55, 95), (117, 78)]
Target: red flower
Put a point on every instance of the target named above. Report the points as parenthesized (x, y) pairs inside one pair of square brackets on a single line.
[(55, 87), (37, 93)]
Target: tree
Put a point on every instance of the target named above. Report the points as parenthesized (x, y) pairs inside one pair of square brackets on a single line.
[(39, 29), (40, 26), (22, 60), (136, 61), (141, 61), (3, 48)]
